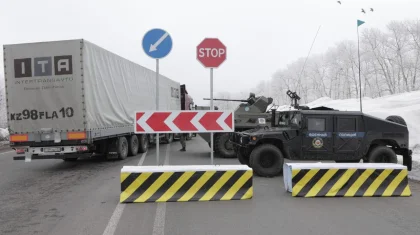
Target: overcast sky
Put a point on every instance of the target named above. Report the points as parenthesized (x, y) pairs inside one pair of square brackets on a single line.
[(261, 36)]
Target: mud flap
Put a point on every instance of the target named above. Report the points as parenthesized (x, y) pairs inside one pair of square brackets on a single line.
[(28, 157), (408, 160)]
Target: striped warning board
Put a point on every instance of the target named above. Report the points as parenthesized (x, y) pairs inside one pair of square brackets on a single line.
[(347, 180), (185, 183)]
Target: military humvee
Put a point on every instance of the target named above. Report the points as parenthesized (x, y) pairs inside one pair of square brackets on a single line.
[(322, 134)]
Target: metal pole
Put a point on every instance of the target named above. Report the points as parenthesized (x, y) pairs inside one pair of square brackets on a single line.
[(211, 108), (360, 79), (157, 108)]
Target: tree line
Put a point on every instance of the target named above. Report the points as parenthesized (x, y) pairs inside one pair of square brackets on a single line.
[(390, 64)]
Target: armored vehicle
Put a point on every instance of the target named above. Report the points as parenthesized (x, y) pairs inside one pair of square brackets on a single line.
[(247, 116), (322, 134)]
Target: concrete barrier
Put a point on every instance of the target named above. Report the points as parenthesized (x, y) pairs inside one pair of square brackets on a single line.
[(346, 179), (185, 183)]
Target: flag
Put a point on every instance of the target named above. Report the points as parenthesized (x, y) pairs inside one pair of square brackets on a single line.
[(359, 22)]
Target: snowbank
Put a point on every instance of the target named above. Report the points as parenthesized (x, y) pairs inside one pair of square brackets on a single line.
[(4, 134)]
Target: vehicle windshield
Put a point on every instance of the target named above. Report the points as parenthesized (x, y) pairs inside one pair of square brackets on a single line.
[(288, 119)]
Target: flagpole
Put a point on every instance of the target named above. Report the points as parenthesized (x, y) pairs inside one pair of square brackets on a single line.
[(358, 55)]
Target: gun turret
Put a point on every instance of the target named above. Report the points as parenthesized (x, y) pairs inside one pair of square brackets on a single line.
[(252, 104), (295, 100)]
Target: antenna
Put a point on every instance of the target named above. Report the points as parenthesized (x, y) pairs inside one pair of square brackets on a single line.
[(303, 67)]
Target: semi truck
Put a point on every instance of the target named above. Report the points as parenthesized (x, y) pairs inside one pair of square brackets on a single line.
[(72, 99)]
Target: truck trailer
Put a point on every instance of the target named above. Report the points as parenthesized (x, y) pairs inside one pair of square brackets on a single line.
[(71, 99)]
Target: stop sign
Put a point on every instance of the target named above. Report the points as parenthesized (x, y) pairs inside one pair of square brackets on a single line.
[(211, 52)]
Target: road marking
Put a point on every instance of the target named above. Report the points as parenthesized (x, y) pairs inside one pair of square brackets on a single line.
[(116, 215), (159, 224), (7, 152)]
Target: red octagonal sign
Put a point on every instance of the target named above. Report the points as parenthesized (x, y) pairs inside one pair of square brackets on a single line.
[(211, 52)]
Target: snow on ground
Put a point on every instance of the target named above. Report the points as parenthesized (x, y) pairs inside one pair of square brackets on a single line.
[(4, 134)]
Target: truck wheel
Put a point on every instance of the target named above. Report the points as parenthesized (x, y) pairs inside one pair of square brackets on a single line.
[(223, 147), (397, 119), (266, 160), (133, 145), (382, 154), (122, 148), (143, 144)]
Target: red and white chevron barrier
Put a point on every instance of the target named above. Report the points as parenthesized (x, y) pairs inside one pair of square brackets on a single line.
[(199, 121)]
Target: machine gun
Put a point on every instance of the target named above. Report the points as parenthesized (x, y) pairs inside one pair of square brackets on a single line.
[(295, 100)]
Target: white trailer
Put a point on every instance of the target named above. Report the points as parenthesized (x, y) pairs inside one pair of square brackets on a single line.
[(70, 99)]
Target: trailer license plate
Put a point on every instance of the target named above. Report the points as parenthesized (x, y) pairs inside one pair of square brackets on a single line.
[(52, 150)]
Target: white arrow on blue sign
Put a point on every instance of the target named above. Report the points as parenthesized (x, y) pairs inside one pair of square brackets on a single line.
[(157, 43)]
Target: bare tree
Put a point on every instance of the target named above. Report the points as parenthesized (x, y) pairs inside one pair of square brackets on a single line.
[(389, 60)]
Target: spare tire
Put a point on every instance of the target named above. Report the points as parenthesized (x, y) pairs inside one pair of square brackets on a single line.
[(382, 154), (266, 160), (396, 119)]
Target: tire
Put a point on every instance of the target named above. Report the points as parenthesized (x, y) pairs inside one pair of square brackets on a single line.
[(243, 159), (143, 143), (397, 119), (222, 146), (266, 160), (382, 154), (122, 148), (133, 145)]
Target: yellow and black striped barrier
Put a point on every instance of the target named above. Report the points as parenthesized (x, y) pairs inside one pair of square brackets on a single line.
[(185, 183), (346, 180)]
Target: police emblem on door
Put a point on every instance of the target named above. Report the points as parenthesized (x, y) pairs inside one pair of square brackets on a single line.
[(317, 143)]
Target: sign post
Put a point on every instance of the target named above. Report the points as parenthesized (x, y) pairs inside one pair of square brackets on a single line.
[(157, 43), (211, 53)]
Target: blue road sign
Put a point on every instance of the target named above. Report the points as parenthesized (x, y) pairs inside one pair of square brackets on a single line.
[(157, 43)]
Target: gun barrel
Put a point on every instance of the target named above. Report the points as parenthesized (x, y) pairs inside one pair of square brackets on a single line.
[(226, 100)]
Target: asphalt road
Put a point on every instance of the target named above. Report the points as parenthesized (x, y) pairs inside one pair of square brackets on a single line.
[(56, 197)]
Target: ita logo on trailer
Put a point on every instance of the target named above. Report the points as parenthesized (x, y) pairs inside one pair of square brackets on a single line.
[(43, 66), (157, 43)]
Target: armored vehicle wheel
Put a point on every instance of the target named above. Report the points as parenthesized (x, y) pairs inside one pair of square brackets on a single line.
[(382, 154), (397, 119), (143, 143), (242, 158), (266, 160), (223, 147), (122, 147), (133, 145)]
